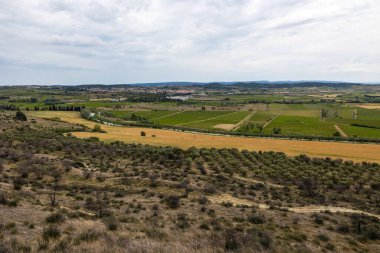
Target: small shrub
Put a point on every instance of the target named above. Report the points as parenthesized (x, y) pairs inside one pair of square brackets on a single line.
[(155, 233), (297, 236), (203, 200), (111, 222), (323, 238), (17, 184), (256, 219), (89, 235), (173, 201), (3, 199), (62, 246), (55, 218), (98, 129), (183, 221), (330, 246), (210, 189), (318, 219), (52, 231), (233, 239), (204, 226), (10, 225), (343, 228), (227, 204), (20, 116), (258, 239)]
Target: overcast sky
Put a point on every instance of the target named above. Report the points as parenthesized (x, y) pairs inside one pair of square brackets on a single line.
[(127, 41)]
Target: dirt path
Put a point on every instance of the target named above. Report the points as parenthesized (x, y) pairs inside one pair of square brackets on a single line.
[(202, 120), (251, 180), (78, 211), (218, 199), (270, 121), (342, 133), (237, 126), (167, 115)]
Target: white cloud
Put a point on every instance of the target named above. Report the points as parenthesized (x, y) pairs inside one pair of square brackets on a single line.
[(120, 41)]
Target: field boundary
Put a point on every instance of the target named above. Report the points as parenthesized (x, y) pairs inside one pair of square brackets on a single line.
[(185, 139), (202, 120), (266, 124), (237, 126), (237, 134), (168, 115), (340, 130)]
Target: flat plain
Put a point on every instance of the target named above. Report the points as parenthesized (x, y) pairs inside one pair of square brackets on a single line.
[(348, 151)]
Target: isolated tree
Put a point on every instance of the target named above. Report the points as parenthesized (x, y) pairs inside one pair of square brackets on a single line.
[(358, 221), (173, 201), (337, 134), (324, 113), (98, 129), (101, 203), (309, 185), (20, 116), (260, 127), (153, 179), (87, 174), (358, 186), (185, 184), (54, 187), (17, 183)]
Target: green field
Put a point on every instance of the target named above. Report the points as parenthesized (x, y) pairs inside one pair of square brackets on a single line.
[(230, 118), (354, 131), (262, 117), (222, 110), (293, 119), (190, 116), (150, 115), (301, 125)]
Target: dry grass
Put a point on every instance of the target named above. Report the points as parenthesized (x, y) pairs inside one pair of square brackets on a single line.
[(349, 151), (225, 126), (369, 106), (223, 198)]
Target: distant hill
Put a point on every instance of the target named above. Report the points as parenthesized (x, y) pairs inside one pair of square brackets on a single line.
[(224, 85)]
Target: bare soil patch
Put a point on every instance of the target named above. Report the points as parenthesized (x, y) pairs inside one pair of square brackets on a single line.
[(342, 133), (369, 106), (227, 127)]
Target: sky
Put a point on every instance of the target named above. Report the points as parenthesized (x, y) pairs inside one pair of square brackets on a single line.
[(129, 41)]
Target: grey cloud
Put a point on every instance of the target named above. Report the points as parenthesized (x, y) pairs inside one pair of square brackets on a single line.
[(200, 40)]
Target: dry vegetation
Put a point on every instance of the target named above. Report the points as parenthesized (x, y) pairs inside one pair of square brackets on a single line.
[(64, 194)]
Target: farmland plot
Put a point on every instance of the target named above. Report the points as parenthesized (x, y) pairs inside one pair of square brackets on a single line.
[(190, 116), (227, 120), (298, 125)]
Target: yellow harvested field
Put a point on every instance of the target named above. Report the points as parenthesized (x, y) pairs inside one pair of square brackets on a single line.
[(369, 106), (348, 151)]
